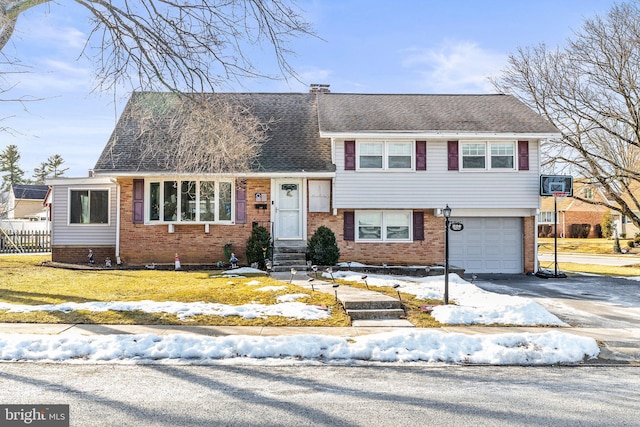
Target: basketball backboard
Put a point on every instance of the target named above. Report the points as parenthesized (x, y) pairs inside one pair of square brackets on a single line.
[(550, 184)]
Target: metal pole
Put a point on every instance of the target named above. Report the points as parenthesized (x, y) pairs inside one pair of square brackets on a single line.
[(446, 260), (555, 236)]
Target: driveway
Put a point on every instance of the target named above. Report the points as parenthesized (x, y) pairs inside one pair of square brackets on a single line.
[(579, 300)]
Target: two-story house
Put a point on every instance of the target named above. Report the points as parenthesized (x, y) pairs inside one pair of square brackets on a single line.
[(376, 169)]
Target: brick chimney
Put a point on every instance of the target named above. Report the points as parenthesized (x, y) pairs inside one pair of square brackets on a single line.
[(319, 88)]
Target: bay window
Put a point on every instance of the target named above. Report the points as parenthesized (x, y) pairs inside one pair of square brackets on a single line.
[(189, 201)]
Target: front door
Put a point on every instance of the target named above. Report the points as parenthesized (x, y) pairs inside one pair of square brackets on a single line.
[(288, 221)]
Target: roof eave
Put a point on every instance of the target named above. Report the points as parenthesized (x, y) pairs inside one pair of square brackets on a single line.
[(438, 135)]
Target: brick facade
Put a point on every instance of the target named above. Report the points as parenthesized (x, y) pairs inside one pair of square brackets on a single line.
[(426, 252), (144, 243)]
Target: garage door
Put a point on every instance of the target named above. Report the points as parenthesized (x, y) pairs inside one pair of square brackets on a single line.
[(487, 245)]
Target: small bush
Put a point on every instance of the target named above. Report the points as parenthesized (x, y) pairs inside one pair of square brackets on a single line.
[(322, 248), (606, 225), (258, 242)]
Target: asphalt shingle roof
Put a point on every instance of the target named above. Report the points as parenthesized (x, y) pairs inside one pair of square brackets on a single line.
[(428, 113), (294, 143)]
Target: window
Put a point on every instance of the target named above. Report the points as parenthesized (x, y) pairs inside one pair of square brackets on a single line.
[(190, 201), (370, 156), (385, 155), (383, 225), (473, 156), (488, 155), (546, 217), (502, 156), (89, 207), (588, 193)]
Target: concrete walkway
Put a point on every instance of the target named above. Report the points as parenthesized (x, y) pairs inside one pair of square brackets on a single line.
[(617, 345)]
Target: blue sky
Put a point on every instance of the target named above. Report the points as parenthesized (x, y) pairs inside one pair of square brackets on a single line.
[(402, 46)]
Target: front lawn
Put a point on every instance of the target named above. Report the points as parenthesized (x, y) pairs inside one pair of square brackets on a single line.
[(24, 280), (584, 246)]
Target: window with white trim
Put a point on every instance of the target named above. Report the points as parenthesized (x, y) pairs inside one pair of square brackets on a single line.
[(385, 155), (190, 201), (546, 217), (88, 206), (488, 155), (384, 226)]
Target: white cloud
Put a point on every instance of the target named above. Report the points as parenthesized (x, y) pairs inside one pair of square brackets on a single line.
[(454, 67)]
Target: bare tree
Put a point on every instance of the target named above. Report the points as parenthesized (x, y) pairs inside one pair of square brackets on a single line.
[(590, 90), (193, 45), (194, 133)]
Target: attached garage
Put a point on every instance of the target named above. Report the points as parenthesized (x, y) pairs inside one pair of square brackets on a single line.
[(487, 245)]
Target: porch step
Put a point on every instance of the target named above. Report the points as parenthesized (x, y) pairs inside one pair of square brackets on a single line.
[(289, 255)]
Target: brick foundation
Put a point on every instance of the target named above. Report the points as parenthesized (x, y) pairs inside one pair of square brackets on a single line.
[(78, 254)]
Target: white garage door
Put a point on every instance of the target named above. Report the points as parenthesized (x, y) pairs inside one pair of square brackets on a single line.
[(487, 245)]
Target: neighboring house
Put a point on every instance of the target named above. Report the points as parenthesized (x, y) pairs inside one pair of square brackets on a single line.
[(25, 201), (376, 169)]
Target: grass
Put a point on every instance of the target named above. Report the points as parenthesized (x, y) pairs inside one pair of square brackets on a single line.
[(583, 246), (590, 247), (24, 280)]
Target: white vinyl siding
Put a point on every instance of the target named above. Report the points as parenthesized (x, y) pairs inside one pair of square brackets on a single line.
[(437, 186), (65, 233)]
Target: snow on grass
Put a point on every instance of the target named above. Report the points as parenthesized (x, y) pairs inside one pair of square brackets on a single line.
[(183, 310), (472, 305), (400, 346)]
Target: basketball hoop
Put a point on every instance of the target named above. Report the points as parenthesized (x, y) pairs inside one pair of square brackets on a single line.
[(560, 194)]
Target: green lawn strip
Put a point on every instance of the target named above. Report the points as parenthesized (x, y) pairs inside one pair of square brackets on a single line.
[(584, 246), (605, 270)]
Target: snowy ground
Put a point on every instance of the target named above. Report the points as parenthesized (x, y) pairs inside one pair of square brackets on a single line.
[(472, 306)]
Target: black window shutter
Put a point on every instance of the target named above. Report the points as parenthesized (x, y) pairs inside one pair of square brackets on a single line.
[(421, 155), (349, 155), (138, 201), (241, 206), (349, 226), (418, 225), (452, 151), (523, 155)]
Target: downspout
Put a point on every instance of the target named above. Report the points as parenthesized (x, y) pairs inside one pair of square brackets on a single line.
[(118, 260)]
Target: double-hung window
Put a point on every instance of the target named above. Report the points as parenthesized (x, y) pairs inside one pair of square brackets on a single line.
[(89, 206), (383, 225), (488, 155), (190, 201), (547, 217), (385, 155)]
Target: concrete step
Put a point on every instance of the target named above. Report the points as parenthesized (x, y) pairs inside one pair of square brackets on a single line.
[(286, 268), (376, 314), (377, 304)]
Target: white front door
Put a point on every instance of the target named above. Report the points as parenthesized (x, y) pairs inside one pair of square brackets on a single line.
[(288, 209)]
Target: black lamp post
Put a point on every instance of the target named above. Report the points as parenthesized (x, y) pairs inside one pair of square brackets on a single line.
[(447, 214)]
